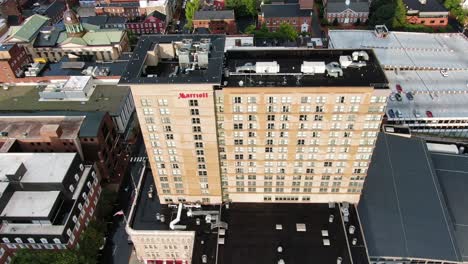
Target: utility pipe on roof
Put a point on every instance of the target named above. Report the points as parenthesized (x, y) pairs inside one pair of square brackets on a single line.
[(177, 219)]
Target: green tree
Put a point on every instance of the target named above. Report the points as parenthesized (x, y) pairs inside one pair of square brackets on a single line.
[(105, 206), (27, 256), (91, 240), (383, 15), (287, 32), (456, 10), (250, 29), (190, 9), (242, 7), (399, 17)]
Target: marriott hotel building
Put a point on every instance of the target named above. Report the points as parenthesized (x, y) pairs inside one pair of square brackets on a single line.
[(255, 125)]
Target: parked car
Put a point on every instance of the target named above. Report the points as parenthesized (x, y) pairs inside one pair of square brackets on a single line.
[(444, 73), (410, 96), (391, 114), (416, 113), (429, 114), (392, 97), (398, 97), (399, 88), (398, 113)]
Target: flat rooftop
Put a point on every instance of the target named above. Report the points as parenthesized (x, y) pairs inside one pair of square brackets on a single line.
[(413, 203), (144, 219), (257, 229), (290, 61), (407, 49), (57, 69), (36, 170), (105, 98), (29, 127), (30, 204), (137, 72), (445, 97)]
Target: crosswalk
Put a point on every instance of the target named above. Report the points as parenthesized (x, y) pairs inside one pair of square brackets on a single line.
[(138, 159)]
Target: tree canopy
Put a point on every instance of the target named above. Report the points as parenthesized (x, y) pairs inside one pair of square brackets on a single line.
[(27, 256), (190, 9), (284, 32), (456, 10), (243, 7)]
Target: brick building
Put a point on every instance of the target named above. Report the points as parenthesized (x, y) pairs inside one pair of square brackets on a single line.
[(153, 23), (217, 22), (298, 15), (426, 12), (346, 11), (45, 207), (130, 10), (91, 134), (13, 60)]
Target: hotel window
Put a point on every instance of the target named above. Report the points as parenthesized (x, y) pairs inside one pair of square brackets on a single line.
[(286, 100), (162, 102), (164, 111), (145, 102), (194, 112), (252, 108), (355, 99), (193, 102), (272, 100), (320, 99), (196, 129), (340, 99), (195, 120), (148, 111), (252, 100), (319, 109)]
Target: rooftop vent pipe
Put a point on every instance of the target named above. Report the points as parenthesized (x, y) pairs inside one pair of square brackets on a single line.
[(177, 219)]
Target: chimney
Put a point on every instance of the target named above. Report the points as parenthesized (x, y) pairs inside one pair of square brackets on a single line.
[(347, 2), (423, 2), (50, 131)]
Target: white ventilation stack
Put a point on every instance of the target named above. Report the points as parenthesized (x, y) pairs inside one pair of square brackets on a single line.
[(347, 2)]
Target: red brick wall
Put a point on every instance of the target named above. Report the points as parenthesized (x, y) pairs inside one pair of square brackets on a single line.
[(217, 27), (427, 21), (274, 23)]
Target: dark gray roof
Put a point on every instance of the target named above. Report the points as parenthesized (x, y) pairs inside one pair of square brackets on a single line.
[(340, 6), (214, 15), (158, 15), (95, 20), (284, 10), (133, 72), (402, 208), (54, 9), (452, 172), (430, 6), (47, 39)]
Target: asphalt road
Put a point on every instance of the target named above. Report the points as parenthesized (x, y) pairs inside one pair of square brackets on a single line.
[(117, 249)]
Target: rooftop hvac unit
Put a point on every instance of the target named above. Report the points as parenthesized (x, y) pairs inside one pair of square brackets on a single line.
[(184, 57), (202, 56), (326, 242), (186, 44), (313, 67), (345, 61), (205, 44), (267, 67)]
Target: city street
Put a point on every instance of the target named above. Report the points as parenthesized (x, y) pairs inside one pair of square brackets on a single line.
[(117, 249)]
